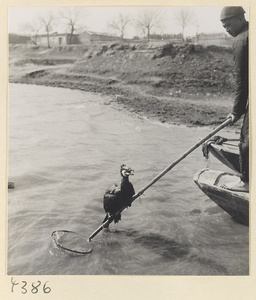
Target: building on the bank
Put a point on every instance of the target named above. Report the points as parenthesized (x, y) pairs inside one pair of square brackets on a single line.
[(63, 39), (217, 39), (89, 37), (55, 39)]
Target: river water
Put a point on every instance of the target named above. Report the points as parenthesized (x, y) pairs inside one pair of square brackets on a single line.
[(65, 150)]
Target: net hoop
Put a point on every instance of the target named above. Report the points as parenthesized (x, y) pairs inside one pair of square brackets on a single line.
[(65, 240)]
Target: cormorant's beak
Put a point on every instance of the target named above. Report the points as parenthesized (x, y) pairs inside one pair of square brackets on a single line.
[(129, 172)]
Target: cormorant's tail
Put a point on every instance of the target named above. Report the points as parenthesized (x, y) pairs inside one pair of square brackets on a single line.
[(117, 218)]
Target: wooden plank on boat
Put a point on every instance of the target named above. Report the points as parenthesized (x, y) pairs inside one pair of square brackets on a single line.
[(228, 154)]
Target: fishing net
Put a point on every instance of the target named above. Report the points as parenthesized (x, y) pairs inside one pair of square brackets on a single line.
[(71, 242)]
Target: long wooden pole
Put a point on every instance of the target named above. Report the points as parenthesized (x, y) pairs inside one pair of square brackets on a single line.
[(154, 180)]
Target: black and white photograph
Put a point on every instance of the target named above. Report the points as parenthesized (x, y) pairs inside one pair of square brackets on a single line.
[(128, 141)]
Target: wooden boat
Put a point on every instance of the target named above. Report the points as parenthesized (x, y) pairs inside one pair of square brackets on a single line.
[(236, 204), (227, 153)]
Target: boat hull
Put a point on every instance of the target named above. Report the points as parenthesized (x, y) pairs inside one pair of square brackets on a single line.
[(236, 204)]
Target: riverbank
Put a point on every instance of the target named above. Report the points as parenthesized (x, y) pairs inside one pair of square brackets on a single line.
[(177, 84)]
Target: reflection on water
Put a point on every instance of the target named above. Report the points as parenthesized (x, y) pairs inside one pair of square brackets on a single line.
[(65, 150)]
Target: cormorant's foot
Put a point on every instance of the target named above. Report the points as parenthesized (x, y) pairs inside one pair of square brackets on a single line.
[(237, 186), (106, 226)]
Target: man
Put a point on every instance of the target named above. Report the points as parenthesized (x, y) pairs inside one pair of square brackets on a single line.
[(233, 20)]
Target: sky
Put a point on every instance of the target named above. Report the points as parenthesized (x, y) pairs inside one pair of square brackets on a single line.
[(97, 18)]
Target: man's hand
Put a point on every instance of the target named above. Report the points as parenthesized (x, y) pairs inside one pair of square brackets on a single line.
[(232, 117)]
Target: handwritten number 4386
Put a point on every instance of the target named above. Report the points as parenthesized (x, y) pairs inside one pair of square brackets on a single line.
[(34, 288)]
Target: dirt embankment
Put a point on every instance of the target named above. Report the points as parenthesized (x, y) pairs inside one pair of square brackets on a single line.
[(179, 84)]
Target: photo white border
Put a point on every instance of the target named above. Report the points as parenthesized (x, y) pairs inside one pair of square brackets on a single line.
[(124, 287)]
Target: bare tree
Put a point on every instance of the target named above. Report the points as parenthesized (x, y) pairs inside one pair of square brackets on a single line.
[(31, 29), (73, 18), (120, 24), (47, 22), (25, 28), (184, 17), (148, 19)]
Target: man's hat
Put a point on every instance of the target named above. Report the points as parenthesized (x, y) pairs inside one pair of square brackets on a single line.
[(231, 11)]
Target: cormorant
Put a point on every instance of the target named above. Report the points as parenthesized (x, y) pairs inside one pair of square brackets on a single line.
[(117, 197)]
